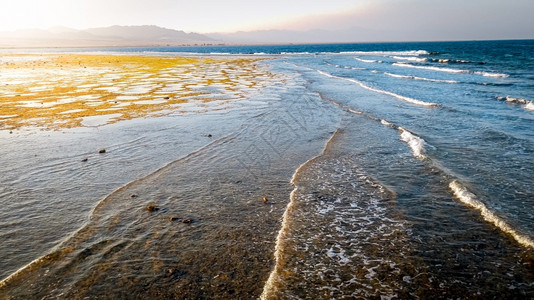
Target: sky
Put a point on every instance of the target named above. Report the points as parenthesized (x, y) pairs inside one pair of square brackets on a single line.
[(408, 19)]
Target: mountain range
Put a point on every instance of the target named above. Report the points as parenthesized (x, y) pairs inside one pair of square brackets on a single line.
[(150, 35), (114, 36)]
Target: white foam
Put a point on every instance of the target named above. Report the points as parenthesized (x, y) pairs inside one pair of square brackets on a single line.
[(416, 143), (450, 70), (270, 287), (530, 106), (400, 97), (365, 60), (387, 53), (384, 122), (471, 200), (419, 78), (410, 58)]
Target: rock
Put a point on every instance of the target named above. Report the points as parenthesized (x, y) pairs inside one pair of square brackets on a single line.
[(152, 207), (85, 159), (209, 135), (265, 200), (102, 150), (133, 196), (187, 221), (167, 98), (172, 219)]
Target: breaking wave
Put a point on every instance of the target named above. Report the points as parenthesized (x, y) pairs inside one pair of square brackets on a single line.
[(471, 200), (367, 60), (451, 70), (420, 78), (388, 53), (527, 104), (400, 97), (416, 143), (410, 58)]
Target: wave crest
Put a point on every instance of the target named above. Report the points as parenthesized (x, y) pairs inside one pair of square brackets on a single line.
[(400, 97), (416, 143), (451, 70), (471, 200), (419, 78)]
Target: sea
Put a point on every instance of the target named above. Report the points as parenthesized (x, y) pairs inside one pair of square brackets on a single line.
[(361, 171)]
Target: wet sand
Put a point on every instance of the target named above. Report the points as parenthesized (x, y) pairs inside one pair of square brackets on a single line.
[(71, 90)]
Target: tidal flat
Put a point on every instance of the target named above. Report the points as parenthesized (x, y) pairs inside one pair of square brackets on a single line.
[(56, 91)]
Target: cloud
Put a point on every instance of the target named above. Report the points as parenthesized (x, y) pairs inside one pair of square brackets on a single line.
[(431, 20)]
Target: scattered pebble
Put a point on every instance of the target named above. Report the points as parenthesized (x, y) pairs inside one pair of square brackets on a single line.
[(152, 207), (209, 135), (172, 219), (85, 159), (102, 150), (187, 221), (265, 199), (133, 196)]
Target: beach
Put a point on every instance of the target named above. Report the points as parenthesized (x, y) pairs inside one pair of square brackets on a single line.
[(362, 171)]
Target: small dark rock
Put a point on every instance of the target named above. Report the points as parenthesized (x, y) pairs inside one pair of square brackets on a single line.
[(11, 132), (133, 196), (167, 98), (152, 207), (265, 200), (172, 219), (85, 159), (209, 135), (187, 221), (102, 150)]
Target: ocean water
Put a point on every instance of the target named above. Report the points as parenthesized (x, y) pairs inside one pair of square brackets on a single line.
[(389, 171)]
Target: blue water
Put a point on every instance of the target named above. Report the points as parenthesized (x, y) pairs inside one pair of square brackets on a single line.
[(411, 167)]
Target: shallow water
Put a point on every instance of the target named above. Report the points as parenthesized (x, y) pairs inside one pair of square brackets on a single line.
[(377, 171)]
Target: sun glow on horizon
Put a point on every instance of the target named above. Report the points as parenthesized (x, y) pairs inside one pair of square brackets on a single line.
[(199, 16)]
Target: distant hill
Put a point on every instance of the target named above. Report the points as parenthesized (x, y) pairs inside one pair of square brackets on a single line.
[(114, 36)]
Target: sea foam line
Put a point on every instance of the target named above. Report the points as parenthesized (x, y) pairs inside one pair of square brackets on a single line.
[(269, 286), (410, 58), (344, 67), (367, 60), (419, 78), (387, 53), (400, 97), (450, 70), (471, 200), (416, 143)]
